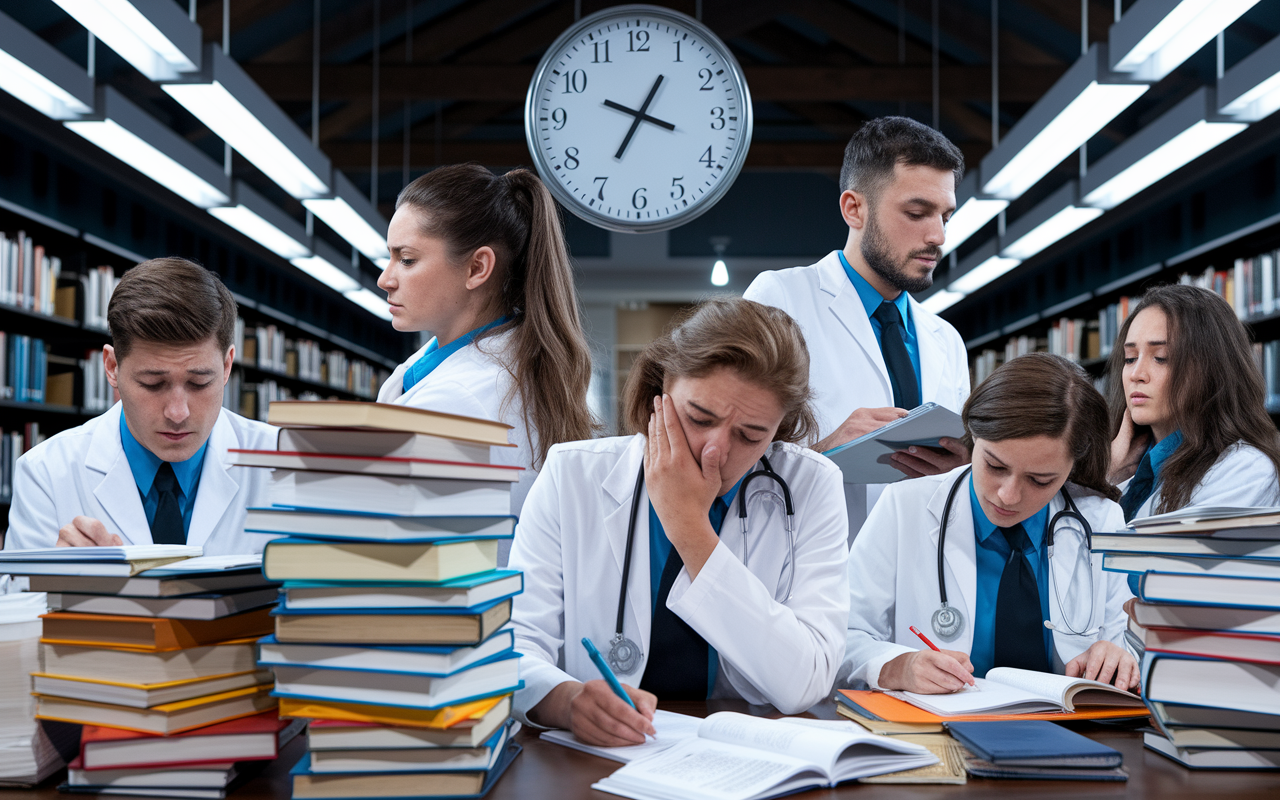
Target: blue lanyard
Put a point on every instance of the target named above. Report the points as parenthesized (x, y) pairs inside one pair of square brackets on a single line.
[(436, 355)]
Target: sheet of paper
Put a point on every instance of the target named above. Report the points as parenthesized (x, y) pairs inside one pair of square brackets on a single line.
[(701, 768), (132, 552), (672, 729), (989, 697), (209, 564)]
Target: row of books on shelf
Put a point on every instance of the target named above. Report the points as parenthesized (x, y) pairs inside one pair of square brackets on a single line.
[(14, 443), (28, 275), (1207, 626), (1250, 285), (24, 368), (267, 348), (252, 399)]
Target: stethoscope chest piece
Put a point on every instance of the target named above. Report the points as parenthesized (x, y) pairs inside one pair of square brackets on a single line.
[(947, 622), (624, 655)]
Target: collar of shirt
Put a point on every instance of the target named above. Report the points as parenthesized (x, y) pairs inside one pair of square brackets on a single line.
[(145, 464), (435, 355), (1159, 452), (984, 528), (871, 299)]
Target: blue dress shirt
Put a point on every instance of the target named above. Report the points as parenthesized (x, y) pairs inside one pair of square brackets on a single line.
[(435, 355), (871, 300), (145, 464), (1155, 457), (992, 553), (660, 549)]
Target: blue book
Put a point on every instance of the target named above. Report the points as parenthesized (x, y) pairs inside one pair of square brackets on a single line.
[(1210, 590), (321, 523), (439, 661), (466, 592), (308, 785), (400, 689), (482, 757), (1033, 743)]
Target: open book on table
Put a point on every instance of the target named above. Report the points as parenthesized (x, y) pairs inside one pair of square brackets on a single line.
[(1007, 690), (740, 757)]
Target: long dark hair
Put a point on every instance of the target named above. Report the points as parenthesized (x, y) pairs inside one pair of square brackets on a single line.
[(1039, 394), (761, 343), (1216, 392), (469, 207)]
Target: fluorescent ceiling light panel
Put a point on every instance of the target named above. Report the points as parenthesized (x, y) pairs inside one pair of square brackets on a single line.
[(370, 302), (719, 274), (352, 217), (1054, 229), (1174, 154), (260, 220), (941, 300), (969, 219), (1250, 90), (131, 135), (1155, 37), (981, 275), (155, 36), (37, 74), (237, 110), (1078, 106), (324, 271)]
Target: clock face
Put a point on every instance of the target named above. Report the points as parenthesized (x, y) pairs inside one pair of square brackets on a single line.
[(638, 119)]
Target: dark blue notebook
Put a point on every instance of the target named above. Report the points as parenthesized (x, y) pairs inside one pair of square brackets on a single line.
[(1032, 743)]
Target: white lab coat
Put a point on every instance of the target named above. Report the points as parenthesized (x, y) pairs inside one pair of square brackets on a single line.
[(1242, 477), (572, 542), (84, 471), (474, 381), (893, 576), (846, 368)]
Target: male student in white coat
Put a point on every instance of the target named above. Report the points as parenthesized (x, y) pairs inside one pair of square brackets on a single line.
[(875, 353), (155, 468)]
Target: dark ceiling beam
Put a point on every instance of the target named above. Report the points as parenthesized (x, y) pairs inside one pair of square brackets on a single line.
[(354, 157), (243, 14), (1018, 83), (1101, 15), (469, 23)]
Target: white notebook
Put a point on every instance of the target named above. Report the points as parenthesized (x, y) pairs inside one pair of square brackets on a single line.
[(1007, 690), (740, 757), (866, 459)]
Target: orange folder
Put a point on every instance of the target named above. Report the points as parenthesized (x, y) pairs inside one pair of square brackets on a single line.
[(892, 709)]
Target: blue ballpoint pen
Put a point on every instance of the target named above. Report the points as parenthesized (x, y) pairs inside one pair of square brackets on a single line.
[(609, 677)]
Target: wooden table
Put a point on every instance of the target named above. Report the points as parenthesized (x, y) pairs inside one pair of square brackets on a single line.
[(550, 772)]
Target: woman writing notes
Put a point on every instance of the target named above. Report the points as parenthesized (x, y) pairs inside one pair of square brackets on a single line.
[(1188, 409), (704, 555), (992, 561), (479, 261)]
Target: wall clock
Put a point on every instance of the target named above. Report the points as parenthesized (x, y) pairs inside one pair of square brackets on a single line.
[(638, 118)]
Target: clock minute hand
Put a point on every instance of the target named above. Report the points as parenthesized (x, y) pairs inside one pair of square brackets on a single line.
[(661, 123), (635, 123)]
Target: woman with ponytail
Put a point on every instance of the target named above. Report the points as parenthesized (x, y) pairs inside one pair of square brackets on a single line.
[(479, 261)]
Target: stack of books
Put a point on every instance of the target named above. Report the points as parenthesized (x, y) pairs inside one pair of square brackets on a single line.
[(1207, 622), (27, 755), (390, 637), (151, 642)]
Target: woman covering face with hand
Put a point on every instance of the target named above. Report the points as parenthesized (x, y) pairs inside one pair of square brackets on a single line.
[(715, 604), (1016, 570), (1188, 410)]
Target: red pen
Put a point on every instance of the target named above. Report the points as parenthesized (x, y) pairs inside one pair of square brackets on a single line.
[(924, 639)]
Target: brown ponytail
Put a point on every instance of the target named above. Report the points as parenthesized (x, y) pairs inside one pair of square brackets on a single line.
[(469, 207), (1039, 394)]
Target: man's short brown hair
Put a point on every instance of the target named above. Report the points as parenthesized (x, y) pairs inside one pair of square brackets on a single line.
[(170, 301)]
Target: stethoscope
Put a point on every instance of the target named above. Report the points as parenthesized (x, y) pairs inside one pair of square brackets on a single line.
[(624, 654), (948, 621)]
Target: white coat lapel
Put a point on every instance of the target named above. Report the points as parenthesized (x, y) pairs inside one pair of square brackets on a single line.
[(932, 348), (846, 306), (217, 489), (960, 554), (117, 492), (619, 485)]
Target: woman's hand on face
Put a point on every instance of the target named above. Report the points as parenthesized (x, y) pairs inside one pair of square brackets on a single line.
[(1127, 450), (1106, 662), (928, 672), (681, 492)]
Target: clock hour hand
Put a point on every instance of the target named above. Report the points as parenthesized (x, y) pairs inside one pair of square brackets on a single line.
[(639, 116), (661, 123)]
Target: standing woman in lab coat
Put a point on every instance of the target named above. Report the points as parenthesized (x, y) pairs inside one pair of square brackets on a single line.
[(1037, 430), (638, 542), (1188, 408), (479, 261)]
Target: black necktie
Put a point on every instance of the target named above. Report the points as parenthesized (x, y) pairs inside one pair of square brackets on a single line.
[(902, 375), (1139, 488), (166, 526), (679, 661), (1019, 639)]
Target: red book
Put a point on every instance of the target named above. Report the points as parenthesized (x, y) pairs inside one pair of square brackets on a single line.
[(255, 738)]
